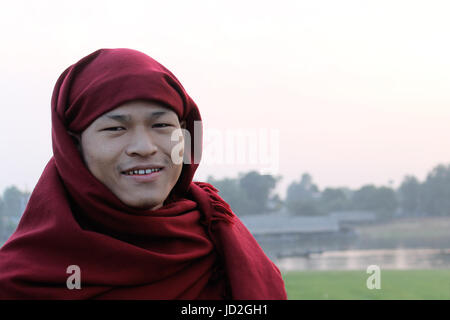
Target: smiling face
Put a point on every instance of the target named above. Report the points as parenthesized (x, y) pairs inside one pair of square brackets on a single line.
[(129, 149)]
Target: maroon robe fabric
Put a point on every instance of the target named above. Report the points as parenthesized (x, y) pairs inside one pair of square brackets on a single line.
[(193, 247)]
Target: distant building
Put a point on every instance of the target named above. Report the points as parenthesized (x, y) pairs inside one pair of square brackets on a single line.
[(283, 235), (352, 218), (276, 224)]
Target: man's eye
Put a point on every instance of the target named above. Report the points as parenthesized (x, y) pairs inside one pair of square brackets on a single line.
[(162, 125), (114, 129)]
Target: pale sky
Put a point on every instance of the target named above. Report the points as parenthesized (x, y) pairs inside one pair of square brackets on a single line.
[(358, 91)]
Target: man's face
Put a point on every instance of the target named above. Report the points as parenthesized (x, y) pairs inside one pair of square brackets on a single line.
[(123, 147)]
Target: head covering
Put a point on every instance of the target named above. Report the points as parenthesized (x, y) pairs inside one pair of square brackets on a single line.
[(193, 247)]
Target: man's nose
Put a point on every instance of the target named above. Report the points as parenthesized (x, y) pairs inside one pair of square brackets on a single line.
[(141, 144)]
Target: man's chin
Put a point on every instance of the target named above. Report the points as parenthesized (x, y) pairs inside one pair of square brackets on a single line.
[(145, 204)]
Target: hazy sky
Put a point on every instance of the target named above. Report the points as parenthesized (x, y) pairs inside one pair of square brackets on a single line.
[(357, 91)]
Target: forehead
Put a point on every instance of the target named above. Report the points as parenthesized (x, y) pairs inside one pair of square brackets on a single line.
[(138, 108)]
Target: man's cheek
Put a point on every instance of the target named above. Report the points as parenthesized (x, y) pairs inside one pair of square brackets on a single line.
[(176, 153)]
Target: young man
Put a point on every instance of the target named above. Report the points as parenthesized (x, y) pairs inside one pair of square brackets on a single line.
[(115, 214)]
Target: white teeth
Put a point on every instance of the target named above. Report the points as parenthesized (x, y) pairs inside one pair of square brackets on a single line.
[(141, 171)]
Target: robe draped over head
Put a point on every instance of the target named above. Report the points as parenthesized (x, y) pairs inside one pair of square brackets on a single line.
[(193, 247)]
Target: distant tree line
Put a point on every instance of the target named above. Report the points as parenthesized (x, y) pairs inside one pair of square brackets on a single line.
[(253, 193), (250, 193), (12, 204), (304, 198)]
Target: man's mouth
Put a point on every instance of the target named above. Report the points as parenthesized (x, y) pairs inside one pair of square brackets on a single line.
[(141, 172)]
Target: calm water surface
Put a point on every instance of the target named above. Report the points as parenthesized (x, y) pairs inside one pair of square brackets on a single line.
[(400, 259)]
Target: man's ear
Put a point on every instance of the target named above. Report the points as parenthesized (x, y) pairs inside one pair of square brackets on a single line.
[(183, 124)]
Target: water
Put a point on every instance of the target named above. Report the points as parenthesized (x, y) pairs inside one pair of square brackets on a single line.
[(400, 259)]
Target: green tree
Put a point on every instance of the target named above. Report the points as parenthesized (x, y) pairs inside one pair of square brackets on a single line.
[(2, 220), (382, 201), (334, 199), (12, 206), (435, 192), (14, 201), (230, 191), (409, 195), (257, 189), (302, 197), (250, 193)]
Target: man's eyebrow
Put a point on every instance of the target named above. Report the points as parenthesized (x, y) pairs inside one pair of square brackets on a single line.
[(127, 118)]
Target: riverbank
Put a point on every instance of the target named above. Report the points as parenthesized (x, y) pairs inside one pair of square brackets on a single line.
[(426, 228), (387, 259), (351, 285), (424, 232)]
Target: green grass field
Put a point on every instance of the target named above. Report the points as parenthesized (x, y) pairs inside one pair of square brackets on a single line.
[(351, 285)]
